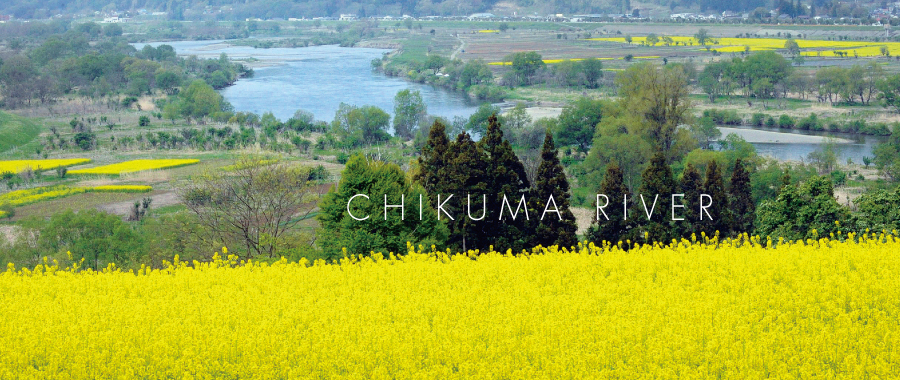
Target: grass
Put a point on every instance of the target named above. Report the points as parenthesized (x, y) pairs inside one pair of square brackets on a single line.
[(16, 131)]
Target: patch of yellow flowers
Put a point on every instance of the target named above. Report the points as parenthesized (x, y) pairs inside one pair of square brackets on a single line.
[(733, 309), (821, 48), (122, 188), (38, 194), (16, 166), (135, 166)]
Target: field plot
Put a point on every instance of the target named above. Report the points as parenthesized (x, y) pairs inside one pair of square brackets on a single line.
[(15, 166), (821, 308), (38, 194), (135, 166), (821, 48)]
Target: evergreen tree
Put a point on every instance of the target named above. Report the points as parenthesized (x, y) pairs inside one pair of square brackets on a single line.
[(550, 180), (433, 162), (718, 218), (465, 175), (743, 210), (504, 175), (657, 180), (616, 228), (691, 186)]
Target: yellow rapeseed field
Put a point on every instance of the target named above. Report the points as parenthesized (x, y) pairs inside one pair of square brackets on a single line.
[(16, 166), (135, 166), (822, 48), (122, 188), (825, 308), (38, 194)]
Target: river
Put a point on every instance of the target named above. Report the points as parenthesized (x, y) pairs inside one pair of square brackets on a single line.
[(318, 79)]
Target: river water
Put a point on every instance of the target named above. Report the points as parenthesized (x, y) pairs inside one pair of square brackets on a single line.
[(318, 78)]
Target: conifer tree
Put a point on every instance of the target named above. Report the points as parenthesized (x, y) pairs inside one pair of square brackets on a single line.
[(657, 180), (718, 219), (743, 210), (691, 186), (616, 227), (553, 229), (465, 175), (433, 162), (504, 175)]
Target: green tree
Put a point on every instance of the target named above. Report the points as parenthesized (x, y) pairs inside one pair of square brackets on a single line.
[(357, 126), (743, 209), (887, 156), (382, 229), (609, 224), (433, 162), (878, 210), (551, 189), (659, 98), (807, 211), (593, 71), (95, 236), (702, 36), (199, 100), (525, 65), (409, 112), (504, 176), (478, 121), (466, 174), (691, 186), (719, 218), (578, 122), (890, 92), (792, 47), (653, 203)]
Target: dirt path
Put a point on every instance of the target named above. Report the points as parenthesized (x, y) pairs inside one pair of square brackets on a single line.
[(124, 208), (462, 45)]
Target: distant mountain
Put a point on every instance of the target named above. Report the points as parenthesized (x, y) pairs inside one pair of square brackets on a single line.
[(283, 9)]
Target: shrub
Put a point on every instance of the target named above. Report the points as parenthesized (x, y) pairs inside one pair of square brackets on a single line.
[(758, 119), (143, 121), (770, 122), (810, 123), (785, 121)]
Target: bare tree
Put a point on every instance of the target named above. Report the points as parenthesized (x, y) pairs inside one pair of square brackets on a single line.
[(256, 205)]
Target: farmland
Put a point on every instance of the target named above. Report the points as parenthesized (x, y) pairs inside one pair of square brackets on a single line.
[(726, 309)]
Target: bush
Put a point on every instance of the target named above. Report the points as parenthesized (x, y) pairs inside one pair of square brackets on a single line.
[(758, 119), (838, 177), (770, 122), (786, 122), (128, 101), (728, 117), (810, 123), (143, 121), (342, 158)]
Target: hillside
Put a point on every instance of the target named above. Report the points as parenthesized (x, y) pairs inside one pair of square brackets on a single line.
[(16, 131)]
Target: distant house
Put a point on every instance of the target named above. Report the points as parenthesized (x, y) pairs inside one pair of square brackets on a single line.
[(348, 17), (482, 16), (588, 18)]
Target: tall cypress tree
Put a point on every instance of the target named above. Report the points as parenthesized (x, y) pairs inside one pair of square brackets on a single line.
[(464, 174), (657, 179), (691, 186), (505, 175), (616, 227), (719, 212), (433, 161), (743, 210), (550, 180)]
